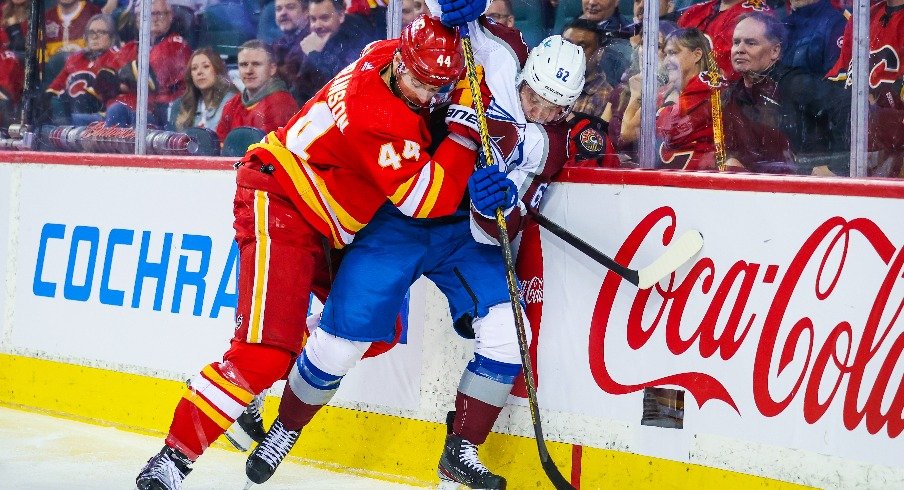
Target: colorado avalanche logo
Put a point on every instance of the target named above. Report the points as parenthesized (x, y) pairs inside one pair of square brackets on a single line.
[(508, 135)]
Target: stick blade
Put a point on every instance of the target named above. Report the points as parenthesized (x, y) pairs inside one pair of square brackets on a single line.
[(679, 252)]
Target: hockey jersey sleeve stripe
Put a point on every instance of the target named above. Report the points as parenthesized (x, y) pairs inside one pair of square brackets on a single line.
[(261, 266), (433, 191), (235, 391), (412, 204)]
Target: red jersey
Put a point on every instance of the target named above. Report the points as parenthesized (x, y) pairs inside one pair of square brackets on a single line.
[(168, 60), (12, 76), (354, 145), (268, 114), (67, 30), (719, 26), (886, 53), (79, 74), (686, 128)]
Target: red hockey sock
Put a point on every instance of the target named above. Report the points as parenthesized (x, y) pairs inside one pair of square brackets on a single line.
[(220, 393), (294, 413), (473, 418)]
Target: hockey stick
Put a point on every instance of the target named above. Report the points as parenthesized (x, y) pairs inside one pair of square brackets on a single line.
[(677, 253), (715, 100), (549, 466)]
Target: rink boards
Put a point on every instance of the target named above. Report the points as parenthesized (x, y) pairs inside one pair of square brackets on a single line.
[(784, 332)]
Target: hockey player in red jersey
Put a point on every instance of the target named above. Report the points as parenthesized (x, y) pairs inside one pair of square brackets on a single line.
[(717, 19), (359, 142), (526, 111), (886, 84)]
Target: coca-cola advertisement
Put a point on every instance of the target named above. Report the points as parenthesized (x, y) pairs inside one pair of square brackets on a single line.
[(786, 329)]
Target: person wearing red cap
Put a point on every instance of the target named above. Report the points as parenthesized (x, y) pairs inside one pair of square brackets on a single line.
[(359, 142)]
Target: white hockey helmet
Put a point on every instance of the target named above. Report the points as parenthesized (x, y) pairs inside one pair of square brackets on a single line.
[(555, 70)]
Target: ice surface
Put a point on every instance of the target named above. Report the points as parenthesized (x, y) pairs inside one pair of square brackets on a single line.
[(44, 452)]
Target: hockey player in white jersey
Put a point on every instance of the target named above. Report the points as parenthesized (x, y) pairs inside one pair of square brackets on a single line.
[(527, 110)]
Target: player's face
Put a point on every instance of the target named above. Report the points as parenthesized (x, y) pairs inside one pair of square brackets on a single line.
[(98, 37), (290, 15), (325, 20), (537, 109), (751, 51), (415, 93), (203, 74), (410, 10), (255, 68), (681, 62)]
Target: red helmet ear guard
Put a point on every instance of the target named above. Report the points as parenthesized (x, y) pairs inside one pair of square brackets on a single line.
[(432, 51)]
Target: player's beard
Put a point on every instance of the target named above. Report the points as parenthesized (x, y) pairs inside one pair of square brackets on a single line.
[(397, 90)]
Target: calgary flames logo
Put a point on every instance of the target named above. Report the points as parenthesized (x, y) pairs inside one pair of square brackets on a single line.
[(591, 140)]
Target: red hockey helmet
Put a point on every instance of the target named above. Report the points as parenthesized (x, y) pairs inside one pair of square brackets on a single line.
[(432, 51)]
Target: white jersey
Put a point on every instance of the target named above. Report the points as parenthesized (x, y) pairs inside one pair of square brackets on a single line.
[(529, 153)]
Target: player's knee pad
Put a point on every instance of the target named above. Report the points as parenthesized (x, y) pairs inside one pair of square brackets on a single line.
[(255, 367), (325, 360), (488, 380), (495, 334)]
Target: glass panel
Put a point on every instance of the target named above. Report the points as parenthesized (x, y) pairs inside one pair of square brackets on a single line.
[(885, 146), (746, 90), (249, 64)]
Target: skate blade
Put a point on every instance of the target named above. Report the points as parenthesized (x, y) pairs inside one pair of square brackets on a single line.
[(238, 438), (449, 485), (249, 485)]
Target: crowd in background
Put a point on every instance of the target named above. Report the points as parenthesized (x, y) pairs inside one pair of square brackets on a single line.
[(743, 85)]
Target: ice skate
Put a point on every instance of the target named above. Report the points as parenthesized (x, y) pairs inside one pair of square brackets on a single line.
[(267, 456), (249, 427), (164, 471), (459, 465)]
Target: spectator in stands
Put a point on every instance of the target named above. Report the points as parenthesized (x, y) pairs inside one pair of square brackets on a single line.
[(717, 19), (685, 123), (605, 13), (11, 80), (264, 103), (169, 57), (209, 89), (623, 107), (779, 119), (815, 29), (886, 86), (331, 45), (411, 9), (501, 12), (292, 20), (87, 84), (666, 10), (181, 18), (14, 17), (64, 25), (585, 34)]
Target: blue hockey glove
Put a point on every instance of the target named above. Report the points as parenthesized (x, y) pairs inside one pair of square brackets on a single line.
[(491, 189), (460, 12)]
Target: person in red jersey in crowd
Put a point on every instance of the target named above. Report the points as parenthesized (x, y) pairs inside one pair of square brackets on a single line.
[(886, 85), (358, 143), (65, 24), (717, 19), (169, 56), (265, 103), (685, 121), (87, 83)]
